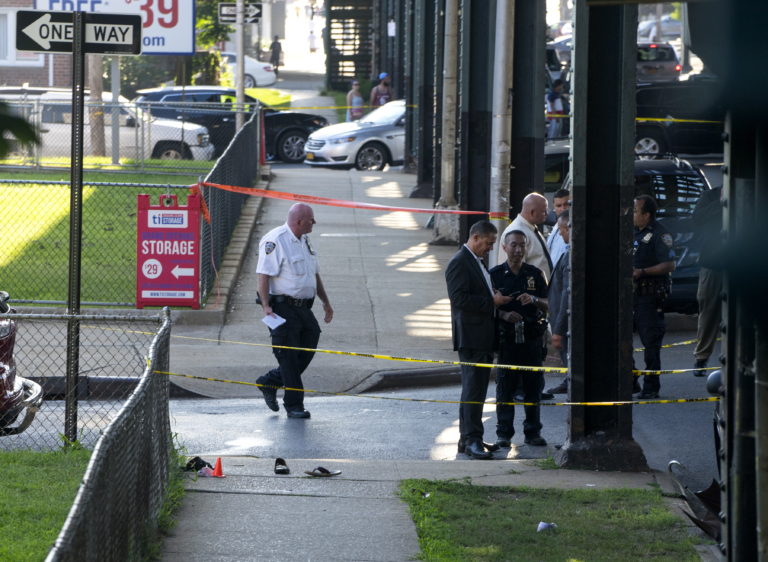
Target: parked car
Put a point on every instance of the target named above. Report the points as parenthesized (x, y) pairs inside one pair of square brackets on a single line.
[(657, 62), (140, 136), (676, 185), (256, 73), (212, 106), (697, 101), (372, 142)]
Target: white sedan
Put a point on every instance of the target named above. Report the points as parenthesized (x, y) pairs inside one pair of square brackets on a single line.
[(257, 73), (372, 142)]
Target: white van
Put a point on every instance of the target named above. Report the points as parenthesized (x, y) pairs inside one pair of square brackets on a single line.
[(140, 136)]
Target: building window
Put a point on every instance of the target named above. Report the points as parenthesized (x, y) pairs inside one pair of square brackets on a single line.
[(9, 56)]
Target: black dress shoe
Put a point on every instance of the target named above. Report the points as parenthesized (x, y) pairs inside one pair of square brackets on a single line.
[(477, 451), (461, 446), (299, 414), (547, 396), (648, 395), (270, 397), (536, 441), (491, 447), (503, 443), (699, 366)]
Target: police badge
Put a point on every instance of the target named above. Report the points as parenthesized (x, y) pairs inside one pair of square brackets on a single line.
[(269, 247), (531, 284)]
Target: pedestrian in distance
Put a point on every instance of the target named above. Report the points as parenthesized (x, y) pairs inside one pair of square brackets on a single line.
[(559, 289), (288, 282), (522, 326), (275, 54), (707, 221), (529, 220), (382, 92), (653, 261), (473, 313), (555, 110), (355, 102)]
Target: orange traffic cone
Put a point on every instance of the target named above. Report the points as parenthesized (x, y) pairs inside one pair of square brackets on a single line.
[(217, 472)]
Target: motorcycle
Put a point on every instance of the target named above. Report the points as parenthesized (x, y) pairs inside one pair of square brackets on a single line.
[(17, 394)]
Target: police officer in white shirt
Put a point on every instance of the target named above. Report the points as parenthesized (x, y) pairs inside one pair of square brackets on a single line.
[(288, 282)]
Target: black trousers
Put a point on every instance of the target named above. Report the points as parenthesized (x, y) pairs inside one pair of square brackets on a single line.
[(300, 330), (474, 388), (650, 325), (507, 382)]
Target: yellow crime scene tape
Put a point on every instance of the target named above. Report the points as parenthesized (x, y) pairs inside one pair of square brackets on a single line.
[(435, 401), (546, 115)]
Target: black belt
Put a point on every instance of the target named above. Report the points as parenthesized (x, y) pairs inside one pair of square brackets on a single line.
[(285, 299)]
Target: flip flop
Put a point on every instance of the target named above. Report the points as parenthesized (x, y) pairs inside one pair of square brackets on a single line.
[(281, 467), (320, 471)]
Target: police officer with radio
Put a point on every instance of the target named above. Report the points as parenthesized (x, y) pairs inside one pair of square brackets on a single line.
[(522, 325), (653, 261), (288, 283)]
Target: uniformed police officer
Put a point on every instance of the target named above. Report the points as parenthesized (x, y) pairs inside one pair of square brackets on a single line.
[(522, 325), (288, 282), (653, 261)]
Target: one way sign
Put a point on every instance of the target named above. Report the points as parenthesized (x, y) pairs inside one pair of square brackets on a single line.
[(228, 12), (54, 32)]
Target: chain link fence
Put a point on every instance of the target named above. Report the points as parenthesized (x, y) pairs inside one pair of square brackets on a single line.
[(112, 358), (114, 134), (123, 488), (34, 266)]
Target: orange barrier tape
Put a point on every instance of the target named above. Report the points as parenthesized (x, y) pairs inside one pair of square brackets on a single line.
[(195, 189), (317, 200)]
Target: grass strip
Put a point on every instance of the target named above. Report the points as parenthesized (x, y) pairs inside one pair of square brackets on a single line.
[(461, 521), (38, 491), (35, 262)]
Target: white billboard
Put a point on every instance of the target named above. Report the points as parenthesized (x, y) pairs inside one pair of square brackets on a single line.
[(168, 26)]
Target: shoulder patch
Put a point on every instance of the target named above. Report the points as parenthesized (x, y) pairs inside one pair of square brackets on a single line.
[(667, 239), (269, 247), (647, 237)]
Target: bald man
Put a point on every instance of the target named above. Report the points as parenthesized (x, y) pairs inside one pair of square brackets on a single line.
[(530, 218), (288, 283)]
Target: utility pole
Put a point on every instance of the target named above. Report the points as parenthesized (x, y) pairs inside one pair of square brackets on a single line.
[(240, 67), (446, 229), (501, 124)]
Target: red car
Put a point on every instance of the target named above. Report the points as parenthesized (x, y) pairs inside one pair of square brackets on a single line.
[(16, 393)]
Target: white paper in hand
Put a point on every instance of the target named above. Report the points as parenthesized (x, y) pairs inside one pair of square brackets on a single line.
[(273, 321)]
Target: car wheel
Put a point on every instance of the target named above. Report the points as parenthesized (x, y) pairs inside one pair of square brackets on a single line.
[(249, 81), (371, 157), (290, 146), (649, 144), (171, 151)]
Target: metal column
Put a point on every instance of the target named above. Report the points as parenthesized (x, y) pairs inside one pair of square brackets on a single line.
[(600, 438)]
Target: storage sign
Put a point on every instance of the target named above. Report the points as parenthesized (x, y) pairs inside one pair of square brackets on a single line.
[(168, 252)]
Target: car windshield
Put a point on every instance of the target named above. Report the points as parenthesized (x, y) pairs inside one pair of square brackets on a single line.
[(676, 194), (654, 53), (388, 113)]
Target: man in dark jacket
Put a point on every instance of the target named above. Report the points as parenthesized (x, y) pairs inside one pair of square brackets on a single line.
[(558, 300), (473, 313), (707, 223)]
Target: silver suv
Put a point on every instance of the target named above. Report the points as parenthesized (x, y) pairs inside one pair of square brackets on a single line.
[(140, 136)]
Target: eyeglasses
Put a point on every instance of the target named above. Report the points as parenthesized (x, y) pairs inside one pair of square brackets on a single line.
[(355, 84)]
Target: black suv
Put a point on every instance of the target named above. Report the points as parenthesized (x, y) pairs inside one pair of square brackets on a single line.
[(696, 100), (285, 131), (676, 185)]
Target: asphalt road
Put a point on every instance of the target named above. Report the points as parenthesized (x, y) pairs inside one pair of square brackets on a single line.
[(390, 425)]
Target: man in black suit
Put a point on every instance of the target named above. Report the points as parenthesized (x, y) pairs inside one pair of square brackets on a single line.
[(473, 319)]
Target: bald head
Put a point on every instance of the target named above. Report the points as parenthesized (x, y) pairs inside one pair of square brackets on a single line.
[(535, 208), (301, 218)]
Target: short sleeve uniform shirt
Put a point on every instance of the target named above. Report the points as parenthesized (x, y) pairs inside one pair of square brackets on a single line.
[(290, 263), (653, 245)]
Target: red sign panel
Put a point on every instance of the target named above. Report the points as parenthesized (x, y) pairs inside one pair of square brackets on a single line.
[(168, 252)]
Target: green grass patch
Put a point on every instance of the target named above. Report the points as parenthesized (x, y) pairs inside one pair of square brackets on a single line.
[(459, 521), (339, 100), (35, 262), (200, 167), (38, 491)]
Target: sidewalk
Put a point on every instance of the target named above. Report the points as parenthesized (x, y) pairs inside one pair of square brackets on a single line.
[(253, 514)]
